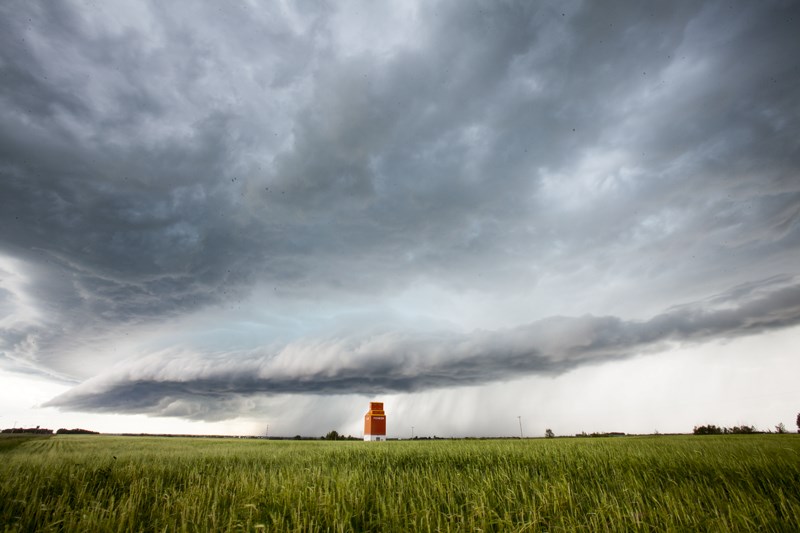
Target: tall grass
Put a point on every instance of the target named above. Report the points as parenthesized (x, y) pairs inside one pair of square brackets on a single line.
[(690, 483)]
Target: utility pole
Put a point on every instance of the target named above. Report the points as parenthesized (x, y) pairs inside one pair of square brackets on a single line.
[(267, 434), (520, 426)]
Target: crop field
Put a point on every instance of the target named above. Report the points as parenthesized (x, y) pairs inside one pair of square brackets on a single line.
[(680, 483)]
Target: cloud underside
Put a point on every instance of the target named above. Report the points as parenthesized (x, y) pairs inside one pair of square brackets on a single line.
[(194, 197), (492, 148), (211, 387)]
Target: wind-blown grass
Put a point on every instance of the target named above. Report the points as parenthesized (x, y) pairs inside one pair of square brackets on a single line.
[(103, 483)]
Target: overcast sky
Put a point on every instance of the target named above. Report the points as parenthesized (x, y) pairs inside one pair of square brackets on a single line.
[(214, 219)]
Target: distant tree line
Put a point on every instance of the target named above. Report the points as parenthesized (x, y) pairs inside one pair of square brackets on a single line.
[(607, 434), (711, 429), (35, 431), (76, 431), (334, 435)]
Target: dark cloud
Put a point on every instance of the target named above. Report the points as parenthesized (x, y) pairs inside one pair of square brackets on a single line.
[(201, 386), (162, 161)]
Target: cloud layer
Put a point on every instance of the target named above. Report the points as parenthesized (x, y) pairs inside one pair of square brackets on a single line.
[(213, 385), (209, 202)]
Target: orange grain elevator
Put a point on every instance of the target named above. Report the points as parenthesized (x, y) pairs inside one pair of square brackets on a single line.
[(375, 422)]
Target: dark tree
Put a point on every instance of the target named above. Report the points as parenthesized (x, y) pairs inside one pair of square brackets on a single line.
[(798, 422), (549, 433), (75, 431), (710, 429)]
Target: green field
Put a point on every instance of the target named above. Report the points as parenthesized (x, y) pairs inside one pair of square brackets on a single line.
[(678, 483)]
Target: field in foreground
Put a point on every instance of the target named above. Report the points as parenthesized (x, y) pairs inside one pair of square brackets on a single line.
[(687, 483)]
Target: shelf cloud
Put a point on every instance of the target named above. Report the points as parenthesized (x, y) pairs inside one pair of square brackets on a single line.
[(168, 383), (204, 204)]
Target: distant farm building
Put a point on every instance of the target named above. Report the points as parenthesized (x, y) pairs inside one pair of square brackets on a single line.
[(375, 422)]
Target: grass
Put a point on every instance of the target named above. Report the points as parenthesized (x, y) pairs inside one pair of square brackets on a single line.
[(678, 483), (9, 441)]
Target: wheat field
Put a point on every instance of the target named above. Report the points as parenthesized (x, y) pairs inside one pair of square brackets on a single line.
[(659, 483)]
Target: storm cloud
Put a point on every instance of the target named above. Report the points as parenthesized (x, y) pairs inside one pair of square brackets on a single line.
[(207, 385), (204, 202)]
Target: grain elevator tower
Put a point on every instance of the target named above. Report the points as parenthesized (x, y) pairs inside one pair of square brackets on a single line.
[(375, 422)]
